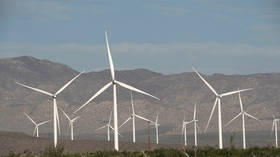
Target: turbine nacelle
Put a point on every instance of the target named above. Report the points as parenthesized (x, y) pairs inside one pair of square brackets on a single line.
[(219, 96)]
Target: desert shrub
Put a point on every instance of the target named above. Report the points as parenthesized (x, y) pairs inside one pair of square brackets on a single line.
[(206, 151), (12, 154), (52, 151), (235, 152), (114, 153), (165, 153)]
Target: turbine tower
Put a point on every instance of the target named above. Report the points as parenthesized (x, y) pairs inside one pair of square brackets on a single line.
[(133, 116), (217, 101), (184, 131), (156, 124), (55, 111), (71, 121), (36, 129), (243, 114), (274, 126), (114, 83)]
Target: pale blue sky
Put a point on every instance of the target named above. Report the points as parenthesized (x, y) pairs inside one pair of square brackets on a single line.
[(167, 36)]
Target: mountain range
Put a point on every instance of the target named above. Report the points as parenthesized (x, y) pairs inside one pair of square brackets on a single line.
[(177, 92)]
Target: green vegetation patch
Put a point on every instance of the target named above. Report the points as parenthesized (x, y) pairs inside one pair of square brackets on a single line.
[(163, 152)]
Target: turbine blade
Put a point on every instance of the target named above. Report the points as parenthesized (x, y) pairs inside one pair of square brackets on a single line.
[(110, 117), (35, 89), (100, 128), (95, 95), (157, 119), (125, 122), (110, 57), (65, 114), (273, 124), (35, 130), (186, 123), (233, 92), (30, 118), (42, 123), (145, 119), (240, 102), (152, 123), (233, 119), (211, 115), (194, 112), (133, 112), (134, 89), (211, 88), (73, 120), (251, 116), (68, 83)]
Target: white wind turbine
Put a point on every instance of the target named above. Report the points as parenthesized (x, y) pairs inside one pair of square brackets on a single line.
[(218, 100), (114, 82), (71, 121), (55, 111), (132, 116), (156, 124), (274, 126), (243, 114), (109, 126), (194, 121), (184, 127), (36, 129)]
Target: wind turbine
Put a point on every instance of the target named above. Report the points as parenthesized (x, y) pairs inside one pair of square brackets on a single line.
[(243, 114), (71, 121), (114, 83), (217, 101), (184, 127), (36, 129), (109, 126), (194, 121), (132, 116), (55, 111), (156, 126), (274, 126)]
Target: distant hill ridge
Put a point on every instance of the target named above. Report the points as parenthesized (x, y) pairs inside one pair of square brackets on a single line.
[(178, 93)]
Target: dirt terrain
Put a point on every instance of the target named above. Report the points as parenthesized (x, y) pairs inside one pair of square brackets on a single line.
[(20, 142)]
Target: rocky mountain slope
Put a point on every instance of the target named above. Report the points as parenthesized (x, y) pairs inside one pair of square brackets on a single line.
[(178, 94)]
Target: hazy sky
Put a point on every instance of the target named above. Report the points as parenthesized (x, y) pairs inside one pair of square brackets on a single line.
[(167, 36)]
